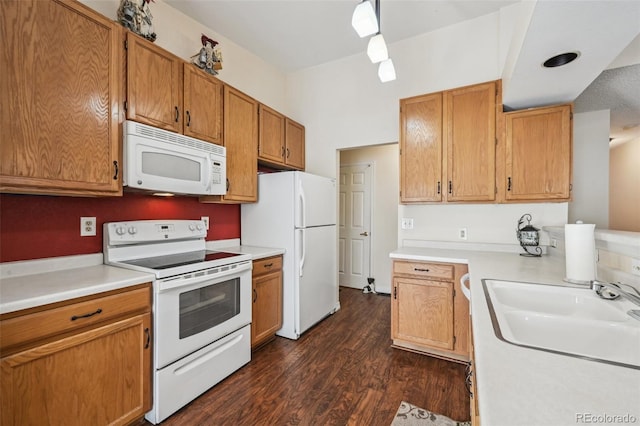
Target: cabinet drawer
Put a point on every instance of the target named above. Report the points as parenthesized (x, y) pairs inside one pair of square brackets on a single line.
[(264, 266), (421, 269), (22, 330)]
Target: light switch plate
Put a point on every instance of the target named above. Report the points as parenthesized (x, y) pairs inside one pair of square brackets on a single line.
[(407, 223)]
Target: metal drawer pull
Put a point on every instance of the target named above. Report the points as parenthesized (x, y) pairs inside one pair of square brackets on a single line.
[(148, 334), (255, 295), (420, 270), (75, 317), (268, 265)]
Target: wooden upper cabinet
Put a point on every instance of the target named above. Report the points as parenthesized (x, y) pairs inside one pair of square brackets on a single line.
[(538, 153), (447, 145), (59, 99), (203, 100), (241, 141), (421, 149), (295, 144), (470, 137), (271, 148), (282, 141), (154, 85), (165, 91)]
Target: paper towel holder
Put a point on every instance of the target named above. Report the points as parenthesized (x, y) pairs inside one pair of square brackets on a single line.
[(529, 237)]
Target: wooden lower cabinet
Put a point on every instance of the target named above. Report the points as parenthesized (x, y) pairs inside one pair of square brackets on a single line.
[(267, 300), (90, 371), (428, 314)]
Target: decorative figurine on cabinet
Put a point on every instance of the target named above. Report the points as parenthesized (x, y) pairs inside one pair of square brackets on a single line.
[(528, 236), (209, 58), (137, 17)]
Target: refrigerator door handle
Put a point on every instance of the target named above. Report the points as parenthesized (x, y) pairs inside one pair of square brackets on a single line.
[(302, 252), (303, 206)]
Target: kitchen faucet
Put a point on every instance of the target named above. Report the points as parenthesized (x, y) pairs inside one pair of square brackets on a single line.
[(599, 286)]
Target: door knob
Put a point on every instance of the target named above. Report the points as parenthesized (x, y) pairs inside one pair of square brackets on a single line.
[(364, 234)]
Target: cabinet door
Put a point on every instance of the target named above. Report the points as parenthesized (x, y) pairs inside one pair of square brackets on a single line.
[(202, 105), (241, 141), (295, 144), (271, 147), (538, 154), (422, 312), (470, 117), (59, 99), (421, 149), (101, 376), (154, 85), (267, 307)]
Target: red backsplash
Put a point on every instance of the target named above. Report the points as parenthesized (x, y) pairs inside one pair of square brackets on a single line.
[(37, 226)]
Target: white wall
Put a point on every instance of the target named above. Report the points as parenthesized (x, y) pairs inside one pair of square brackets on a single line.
[(180, 35), (343, 104), (590, 169), (624, 186), (384, 235)]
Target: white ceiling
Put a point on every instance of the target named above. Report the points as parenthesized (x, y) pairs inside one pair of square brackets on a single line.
[(296, 34)]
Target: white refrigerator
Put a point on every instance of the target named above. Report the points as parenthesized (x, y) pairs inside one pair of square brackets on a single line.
[(297, 211)]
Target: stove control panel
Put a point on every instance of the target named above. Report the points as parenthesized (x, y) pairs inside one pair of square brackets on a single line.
[(138, 231)]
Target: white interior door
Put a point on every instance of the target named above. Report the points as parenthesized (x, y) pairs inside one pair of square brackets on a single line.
[(355, 225)]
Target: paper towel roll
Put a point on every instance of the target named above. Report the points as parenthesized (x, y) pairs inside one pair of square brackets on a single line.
[(580, 252)]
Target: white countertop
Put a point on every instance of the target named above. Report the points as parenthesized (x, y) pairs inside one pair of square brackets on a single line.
[(31, 283), (37, 289), (519, 386), (254, 251)]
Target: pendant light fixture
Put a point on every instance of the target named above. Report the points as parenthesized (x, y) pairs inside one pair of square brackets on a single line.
[(364, 19), (386, 71), (366, 22)]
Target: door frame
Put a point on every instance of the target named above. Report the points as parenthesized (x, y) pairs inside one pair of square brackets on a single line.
[(372, 167)]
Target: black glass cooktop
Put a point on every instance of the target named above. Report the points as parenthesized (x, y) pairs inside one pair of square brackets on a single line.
[(181, 259)]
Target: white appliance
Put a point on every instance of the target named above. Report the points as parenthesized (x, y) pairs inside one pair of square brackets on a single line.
[(162, 161), (201, 306), (297, 211)]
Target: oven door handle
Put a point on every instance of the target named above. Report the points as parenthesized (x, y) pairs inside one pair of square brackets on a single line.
[(216, 277)]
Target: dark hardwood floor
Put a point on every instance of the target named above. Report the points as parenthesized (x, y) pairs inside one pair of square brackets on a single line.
[(342, 371)]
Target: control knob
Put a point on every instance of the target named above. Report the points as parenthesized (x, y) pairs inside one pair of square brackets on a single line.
[(133, 230), (120, 230)]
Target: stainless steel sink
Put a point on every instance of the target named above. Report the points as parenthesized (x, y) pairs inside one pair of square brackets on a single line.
[(564, 320)]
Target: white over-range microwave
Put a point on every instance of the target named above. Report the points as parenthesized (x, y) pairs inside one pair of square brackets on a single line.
[(160, 161)]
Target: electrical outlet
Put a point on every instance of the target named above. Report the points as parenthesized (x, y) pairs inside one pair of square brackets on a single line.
[(87, 226), (462, 233), (635, 266), (407, 223), (205, 219)]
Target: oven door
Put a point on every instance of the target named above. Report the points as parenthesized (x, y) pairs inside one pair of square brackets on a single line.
[(194, 310)]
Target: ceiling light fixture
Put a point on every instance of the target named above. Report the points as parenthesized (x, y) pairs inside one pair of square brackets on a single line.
[(561, 59), (386, 71), (377, 49), (364, 19), (366, 22)]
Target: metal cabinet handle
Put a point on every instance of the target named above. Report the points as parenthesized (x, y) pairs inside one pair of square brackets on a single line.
[(268, 265), (509, 183), (147, 333), (255, 295), (450, 187), (467, 379), (282, 155), (90, 314), (228, 184), (188, 118), (420, 270), (288, 152), (115, 173), (177, 114), (438, 187)]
